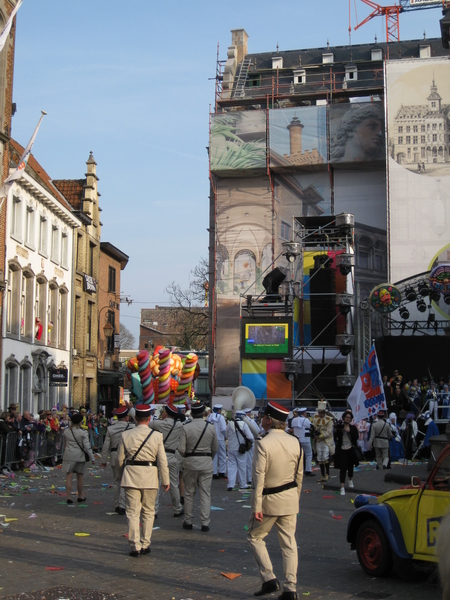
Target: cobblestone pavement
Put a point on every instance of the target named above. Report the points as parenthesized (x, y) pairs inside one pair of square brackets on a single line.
[(182, 564)]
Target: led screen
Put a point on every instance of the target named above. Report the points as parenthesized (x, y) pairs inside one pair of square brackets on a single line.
[(267, 338)]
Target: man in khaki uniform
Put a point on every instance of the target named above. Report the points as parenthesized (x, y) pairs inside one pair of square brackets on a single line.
[(141, 454), (198, 444), (170, 426), (380, 434), (323, 424), (110, 445), (277, 483)]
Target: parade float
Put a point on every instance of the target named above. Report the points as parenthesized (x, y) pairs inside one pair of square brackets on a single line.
[(162, 377)]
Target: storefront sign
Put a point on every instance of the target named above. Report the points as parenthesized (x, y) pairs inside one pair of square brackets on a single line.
[(58, 377), (89, 284)]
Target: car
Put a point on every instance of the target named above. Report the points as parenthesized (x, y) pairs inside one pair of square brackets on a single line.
[(402, 527)]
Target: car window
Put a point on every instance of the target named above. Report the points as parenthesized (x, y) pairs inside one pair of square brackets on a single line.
[(441, 479)]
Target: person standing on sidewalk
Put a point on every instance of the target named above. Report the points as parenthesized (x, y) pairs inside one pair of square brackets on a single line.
[(141, 455), (346, 439), (277, 485), (323, 438), (170, 426), (110, 445), (198, 444), (380, 434), (77, 451)]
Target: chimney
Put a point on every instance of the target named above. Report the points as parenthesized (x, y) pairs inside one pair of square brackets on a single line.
[(295, 136), (239, 38)]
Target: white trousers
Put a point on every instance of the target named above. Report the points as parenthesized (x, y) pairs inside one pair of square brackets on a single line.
[(249, 461), (237, 469), (220, 459), (307, 452)]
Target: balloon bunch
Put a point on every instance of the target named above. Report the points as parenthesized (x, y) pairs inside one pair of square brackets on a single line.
[(145, 373), (164, 375), (187, 375)]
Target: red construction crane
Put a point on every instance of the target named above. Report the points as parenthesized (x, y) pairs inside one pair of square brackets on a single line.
[(392, 14)]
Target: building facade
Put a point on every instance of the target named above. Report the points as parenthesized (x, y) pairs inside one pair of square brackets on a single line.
[(36, 330), (109, 374), (83, 196)]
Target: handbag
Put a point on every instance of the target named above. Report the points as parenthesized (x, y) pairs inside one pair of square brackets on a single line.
[(246, 444), (357, 455)]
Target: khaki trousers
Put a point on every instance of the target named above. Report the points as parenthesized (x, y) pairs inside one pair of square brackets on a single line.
[(286, 526), (382, 457), (119, 494), (140, 504), (174, 482), (201, 480)]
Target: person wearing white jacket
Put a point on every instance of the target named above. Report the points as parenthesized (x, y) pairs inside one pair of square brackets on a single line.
[(220, 425), (255, 432), (237, 433)]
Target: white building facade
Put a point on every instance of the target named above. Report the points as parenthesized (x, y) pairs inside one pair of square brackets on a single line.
[(37, 302)]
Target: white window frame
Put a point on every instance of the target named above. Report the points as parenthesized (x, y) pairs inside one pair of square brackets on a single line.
[(54, 243), (351, 74), (16, 218), (277, 62), (30, 227), (299, 77), (425, 51), (376, 54), (64, 249), (43, 235), (328, 58)]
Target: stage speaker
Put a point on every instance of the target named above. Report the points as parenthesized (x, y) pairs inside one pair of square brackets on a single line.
[(323, 306)]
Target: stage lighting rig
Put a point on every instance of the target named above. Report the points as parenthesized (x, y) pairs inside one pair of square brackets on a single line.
[(423, 288), (404, 312), (421, 305), (291, 250), (410, 294), (345, 262)]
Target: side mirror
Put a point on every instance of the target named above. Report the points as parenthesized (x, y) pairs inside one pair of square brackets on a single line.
[(416, 482)]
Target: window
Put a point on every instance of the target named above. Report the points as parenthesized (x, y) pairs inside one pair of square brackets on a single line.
[(25, 387), (408, 129), (285, 230), (363, 259), (43, 235), (422, 128), (415, 128), (400, 129), (40, 310), (89, 323), (254, 81), (64, 250), (422, 139), (376, 54), (408, 139), (415, 139), (112, 280), (13, 300), (16, 218), (26, 306), (80, 252), (11, 383), (433, 105), (52, 327), (379, 262), (55, 243), (62, 319), (424, 51), (29, 227), (434, 137), (328, 58), (434, 127), (91, 259), (351, 73), (299, 76), (76, 324), (400, 140), (277, 62), (111, 317)]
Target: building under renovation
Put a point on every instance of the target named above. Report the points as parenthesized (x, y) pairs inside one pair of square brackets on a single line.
[(298, 138)]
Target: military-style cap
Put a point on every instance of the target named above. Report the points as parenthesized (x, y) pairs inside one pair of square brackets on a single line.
[(76, 418), (300, 410), (247, 410), (143, 410), (171, 410), (277, 411), (122, 411), (197, 408)]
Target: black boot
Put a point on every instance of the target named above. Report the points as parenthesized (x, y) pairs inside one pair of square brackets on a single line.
[(268, 587)]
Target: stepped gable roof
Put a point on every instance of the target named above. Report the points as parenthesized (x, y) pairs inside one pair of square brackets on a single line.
[(38, 173), (72, 190)]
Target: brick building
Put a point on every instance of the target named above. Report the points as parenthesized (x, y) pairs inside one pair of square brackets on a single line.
[(173, 326), (83, 196), (109, 375)]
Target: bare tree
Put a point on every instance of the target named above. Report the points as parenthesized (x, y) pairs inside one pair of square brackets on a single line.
[(127, 339), (190, 320)]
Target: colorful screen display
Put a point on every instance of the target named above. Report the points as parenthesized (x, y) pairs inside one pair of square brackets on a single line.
[(270, 338)]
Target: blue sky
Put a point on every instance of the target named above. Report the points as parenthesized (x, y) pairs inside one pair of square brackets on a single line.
[(133, 86)]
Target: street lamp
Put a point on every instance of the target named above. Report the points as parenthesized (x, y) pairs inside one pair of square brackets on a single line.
[(108, 330)]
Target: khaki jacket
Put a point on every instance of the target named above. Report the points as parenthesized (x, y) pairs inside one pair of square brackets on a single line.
[(276, 461), (164, 426), (138, 476), (72, 451), (190, 433), (112, 439), (380, 434)]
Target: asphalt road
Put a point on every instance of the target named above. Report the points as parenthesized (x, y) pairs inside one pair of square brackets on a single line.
[(183, 564)]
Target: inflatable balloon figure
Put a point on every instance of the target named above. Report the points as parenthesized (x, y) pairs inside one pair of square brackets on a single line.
[(183, 390), (164, 375), (145, 373)]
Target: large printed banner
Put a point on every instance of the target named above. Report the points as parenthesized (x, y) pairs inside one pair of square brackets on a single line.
[(298, 138), (265, 379), (367, 396), (237, 145), (357, 134), (418, 102)]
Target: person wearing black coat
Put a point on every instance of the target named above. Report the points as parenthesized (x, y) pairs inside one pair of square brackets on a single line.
[(346, 440)]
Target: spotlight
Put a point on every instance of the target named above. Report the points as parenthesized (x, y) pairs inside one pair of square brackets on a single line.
[(346, 223), (292, 250), (423, 288), (435, 295), (273, 280), (447, 299), (345, 302), (345, 262), (421, 306), (346, 343), (404, 312), (410, 294)]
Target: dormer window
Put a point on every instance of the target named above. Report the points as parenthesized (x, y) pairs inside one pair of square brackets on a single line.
[(425, 51), (328, 58), (376, 54), (277, 62), (351, 73), (299, 76)]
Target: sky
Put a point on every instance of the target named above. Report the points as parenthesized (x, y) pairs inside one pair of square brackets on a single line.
[(132, 82)]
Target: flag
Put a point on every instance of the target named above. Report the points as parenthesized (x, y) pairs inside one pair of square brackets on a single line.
[(4, 34), (367, 396), (17, 174)]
